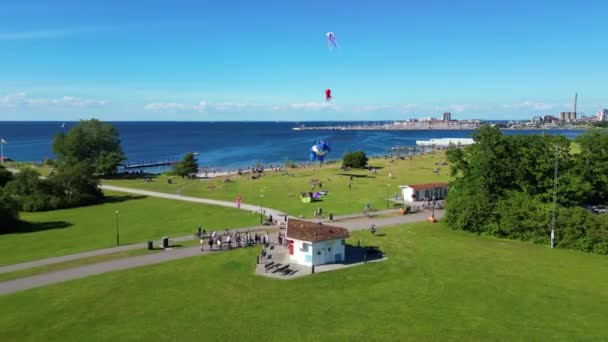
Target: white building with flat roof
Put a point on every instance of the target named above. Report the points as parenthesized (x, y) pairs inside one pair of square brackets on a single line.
[(421, 192)]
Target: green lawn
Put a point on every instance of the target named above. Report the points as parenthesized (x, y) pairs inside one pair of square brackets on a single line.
[(438, 284), (283, 192), (141, 218)]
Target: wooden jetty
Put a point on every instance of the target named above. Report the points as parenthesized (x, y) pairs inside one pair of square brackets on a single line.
[(140, 164)]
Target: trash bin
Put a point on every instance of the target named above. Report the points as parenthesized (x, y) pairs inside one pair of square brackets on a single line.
[(165, 242), (150, 245)]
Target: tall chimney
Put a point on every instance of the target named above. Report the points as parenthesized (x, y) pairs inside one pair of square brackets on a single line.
[(575, 100)]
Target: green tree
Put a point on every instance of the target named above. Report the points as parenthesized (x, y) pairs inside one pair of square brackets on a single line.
[(5, 176), (75, 185), (93, 142), (33, 193), (187, 166), (9, 211), (592, 163), (356, 159)]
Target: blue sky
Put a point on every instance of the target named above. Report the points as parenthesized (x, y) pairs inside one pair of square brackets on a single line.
[(268, 60)]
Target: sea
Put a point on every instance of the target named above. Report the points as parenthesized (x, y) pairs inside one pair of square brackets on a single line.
[(226, 145)]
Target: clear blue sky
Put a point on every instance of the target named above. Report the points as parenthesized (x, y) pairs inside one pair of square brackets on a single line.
[(268, 60)]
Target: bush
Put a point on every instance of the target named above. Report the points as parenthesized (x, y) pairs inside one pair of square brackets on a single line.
[(357, 159), (5, 176), (290, 164), (9, 211)]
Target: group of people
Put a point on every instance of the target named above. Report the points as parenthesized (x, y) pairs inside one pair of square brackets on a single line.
[(234, 239)]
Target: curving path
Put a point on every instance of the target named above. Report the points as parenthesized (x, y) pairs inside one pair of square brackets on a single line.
[(350, 222), (244, 206)]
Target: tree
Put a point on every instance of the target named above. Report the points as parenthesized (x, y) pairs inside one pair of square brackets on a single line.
[(592, 163), (9, 212), (356, 159), (33, 193), (5, 176), (187, 166), (503, 185), (75, 185), (93, 142)]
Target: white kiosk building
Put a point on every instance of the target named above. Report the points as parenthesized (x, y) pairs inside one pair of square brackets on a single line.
[(311, 243), (420, 192)]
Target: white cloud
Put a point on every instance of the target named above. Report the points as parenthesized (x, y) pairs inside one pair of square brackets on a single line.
[(530, 105), (47, 33), (23, 100), (175, 107)]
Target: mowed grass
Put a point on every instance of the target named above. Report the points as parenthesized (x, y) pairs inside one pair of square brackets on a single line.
[(141, 218), (437, 284), (282, 192)]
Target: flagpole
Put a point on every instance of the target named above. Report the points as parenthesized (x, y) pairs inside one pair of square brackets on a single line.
[(2, 150)]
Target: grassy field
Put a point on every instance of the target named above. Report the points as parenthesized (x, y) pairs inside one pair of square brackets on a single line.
[(283, 191), (438, 284), (141, 218)]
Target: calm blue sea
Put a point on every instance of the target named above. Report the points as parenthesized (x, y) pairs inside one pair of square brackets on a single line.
[(228, 145)]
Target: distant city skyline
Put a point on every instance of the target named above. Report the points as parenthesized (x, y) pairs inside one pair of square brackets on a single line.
[(249, 61)]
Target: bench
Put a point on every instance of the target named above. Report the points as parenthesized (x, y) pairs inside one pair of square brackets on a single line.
[(273, 266), (268, 265), (281, 269)]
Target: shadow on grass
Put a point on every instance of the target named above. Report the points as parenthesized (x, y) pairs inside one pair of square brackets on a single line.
[(356, 254), (354, 175), (32, 227), (120, 199)]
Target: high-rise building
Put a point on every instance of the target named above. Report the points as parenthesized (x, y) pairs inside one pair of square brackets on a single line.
[(602, 115), (548, 118), (447, 116)]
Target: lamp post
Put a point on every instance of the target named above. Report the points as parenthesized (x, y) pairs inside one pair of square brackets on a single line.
[(261, 209), (388, 187), (117, 236), (554, 200), (433, 213)]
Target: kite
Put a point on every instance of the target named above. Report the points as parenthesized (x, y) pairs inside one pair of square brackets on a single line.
[(318, 151), (327, 94), (332, 42)]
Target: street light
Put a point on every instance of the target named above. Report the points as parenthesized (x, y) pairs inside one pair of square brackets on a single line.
[(117, 236), (388, 187), (554, 200), (261, 208)]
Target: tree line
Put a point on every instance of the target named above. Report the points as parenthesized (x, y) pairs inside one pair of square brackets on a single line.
[(85, 153), (504, 186)]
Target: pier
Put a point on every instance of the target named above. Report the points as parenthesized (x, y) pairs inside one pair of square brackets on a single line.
[(143, 164), (397, 126)]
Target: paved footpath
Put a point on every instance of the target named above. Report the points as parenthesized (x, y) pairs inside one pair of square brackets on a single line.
[(248, 207), (70, 257), (174, 254)]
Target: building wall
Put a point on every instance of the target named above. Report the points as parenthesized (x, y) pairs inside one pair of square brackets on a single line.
[(408, 194), (328, 252), (319, 253), (302, 253)]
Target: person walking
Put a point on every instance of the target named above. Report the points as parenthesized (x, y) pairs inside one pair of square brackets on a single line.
[(210, 244), (373, 229), (202, 243)]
